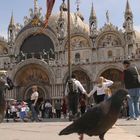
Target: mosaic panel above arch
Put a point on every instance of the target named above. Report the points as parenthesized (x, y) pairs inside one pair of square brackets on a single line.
[(3, 49), (32, 74), (83, 78), (109, 40), (116, 76), (78, 42)]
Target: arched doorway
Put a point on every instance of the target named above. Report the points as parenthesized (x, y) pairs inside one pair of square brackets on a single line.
[(32, 73), (83, 78), (116, 76), (29, 75), (43, 93), (38, 44)]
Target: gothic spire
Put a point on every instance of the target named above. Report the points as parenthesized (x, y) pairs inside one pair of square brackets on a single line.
[(78, 11), (11, 30), (107, 17), (12, 23), (35, 7), (63, 6), (128, 23), (130, 37), (93, 23), (92, 13), (128, 9)]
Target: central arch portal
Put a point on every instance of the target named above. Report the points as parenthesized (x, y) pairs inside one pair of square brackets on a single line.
[(116, 76), (43, 93), (32, 74)]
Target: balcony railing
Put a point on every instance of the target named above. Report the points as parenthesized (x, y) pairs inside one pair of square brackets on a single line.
[(8, 61)]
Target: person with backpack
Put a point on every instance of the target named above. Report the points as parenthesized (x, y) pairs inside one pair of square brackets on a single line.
[(72, 91)]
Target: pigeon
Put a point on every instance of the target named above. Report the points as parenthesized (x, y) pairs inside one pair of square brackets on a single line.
[(99, 119)]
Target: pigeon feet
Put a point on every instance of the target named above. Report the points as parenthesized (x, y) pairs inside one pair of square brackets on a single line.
[(81, 137)]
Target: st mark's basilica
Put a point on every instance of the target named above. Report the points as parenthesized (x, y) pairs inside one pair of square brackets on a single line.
[(37, 58)]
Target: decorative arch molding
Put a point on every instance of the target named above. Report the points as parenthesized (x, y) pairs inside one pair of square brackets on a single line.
[(115, 33), (66, 75), (82, 35), (82, 75), (113, 73), (44, 89), (3, 47), (31, 31), (34, 61), (103, 69)]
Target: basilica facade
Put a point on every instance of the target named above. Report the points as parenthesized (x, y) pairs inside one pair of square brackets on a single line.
[(36, 55)]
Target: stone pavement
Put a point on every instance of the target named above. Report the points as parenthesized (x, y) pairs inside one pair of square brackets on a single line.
[(49, 131), (131, 126)]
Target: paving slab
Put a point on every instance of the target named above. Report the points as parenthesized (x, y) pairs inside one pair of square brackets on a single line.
[(131, 126), (50, 130)]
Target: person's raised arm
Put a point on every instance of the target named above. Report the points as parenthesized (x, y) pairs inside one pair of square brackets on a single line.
[(107, 82)]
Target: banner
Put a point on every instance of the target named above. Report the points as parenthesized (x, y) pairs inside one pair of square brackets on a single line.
[(50, 4)]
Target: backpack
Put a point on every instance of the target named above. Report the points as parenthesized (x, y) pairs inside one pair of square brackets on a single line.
[(72, 86)]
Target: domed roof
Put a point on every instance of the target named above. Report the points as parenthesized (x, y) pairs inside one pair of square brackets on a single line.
[(80, 15), (3, 46), (137, 36), (81, 26)]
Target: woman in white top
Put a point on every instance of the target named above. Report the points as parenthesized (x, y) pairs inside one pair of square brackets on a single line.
[(34, 98), (100, 89)]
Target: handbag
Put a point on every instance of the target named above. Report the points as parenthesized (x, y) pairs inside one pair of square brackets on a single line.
[(138, 74)]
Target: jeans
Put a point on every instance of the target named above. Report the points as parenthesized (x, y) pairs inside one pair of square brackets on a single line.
[(34, 113), (133, 102)]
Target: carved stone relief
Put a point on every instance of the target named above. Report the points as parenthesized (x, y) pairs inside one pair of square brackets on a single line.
[(32, 74), (109, 40), (3, 50), (79, 42)]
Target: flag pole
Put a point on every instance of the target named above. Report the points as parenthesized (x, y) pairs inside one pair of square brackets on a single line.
[(69, 37)]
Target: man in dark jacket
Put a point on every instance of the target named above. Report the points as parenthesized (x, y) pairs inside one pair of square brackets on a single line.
[(133, 86)]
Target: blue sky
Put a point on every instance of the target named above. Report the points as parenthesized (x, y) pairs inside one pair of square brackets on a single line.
[(116, 10)]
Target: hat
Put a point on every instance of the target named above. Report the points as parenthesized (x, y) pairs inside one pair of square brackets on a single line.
[(126, 62)]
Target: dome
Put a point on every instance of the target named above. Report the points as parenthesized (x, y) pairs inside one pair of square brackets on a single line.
[(81, 26), (137, 36), (3, 46), (80, 15)]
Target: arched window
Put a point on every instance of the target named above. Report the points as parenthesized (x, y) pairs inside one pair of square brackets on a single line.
[(38, 44), (138, 51), (77, 57), (110, 55)]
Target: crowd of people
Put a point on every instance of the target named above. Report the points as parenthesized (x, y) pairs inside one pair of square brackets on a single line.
[(22, 111), (75, 102), (101, 91)]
